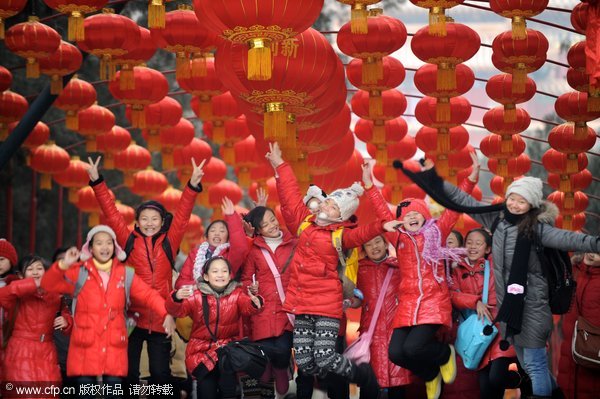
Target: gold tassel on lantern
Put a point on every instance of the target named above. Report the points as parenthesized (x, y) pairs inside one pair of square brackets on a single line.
[(358, 19), (259, 59), (126, 77), (218, 135), (76, 33), (519, 78), (182, 65), (437, 22), (204, 108), (2, 29), (443, 141), (572, 164), (381, 154), (73, 196), (275, 120), (379, 131), (128, 178), (396, 194), (167, 158), (291, 134), (567, 222), (32, 70), (370, 71), (56, 84), (301, 168), (72, 120), (510, 113), (564, 184), (446, 76), (198, 68), (581, 131), (502, 169), (156, 15), (138, 116), (442, 110), (108, 161), (202, 198), (228, 153), (375, 103), (45, 181), (506, 144), (593, 104), (90, 144), (569, 201), (519, 28), (244, 177), (217, 213), (93, 219), (153, 140), (391, 175), (441, 165)]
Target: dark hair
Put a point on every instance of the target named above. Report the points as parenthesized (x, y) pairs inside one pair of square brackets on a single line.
[(215, 222), (486, 236), (59, 251), (256, 216), (529, 221), (167, 217), (459, 237), (210, 262), (30, 259)]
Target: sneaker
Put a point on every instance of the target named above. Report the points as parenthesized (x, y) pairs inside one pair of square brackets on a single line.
[(282, 383), (448, 370), (434, 387)]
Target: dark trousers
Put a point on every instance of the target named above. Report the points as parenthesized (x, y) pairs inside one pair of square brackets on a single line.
[(417, 349), (279, 349), (88, 387), (214, 384), (159, 356), (496, 377)]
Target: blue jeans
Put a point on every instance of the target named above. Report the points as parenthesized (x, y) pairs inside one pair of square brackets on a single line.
[(535, 363)]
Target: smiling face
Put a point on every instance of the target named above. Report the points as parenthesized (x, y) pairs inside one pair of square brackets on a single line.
[(4, 265), (217, 275), (376, 249), (413, 221), (329, 209), (452, 241), (269, 226), (35, 270), (149, 222), (217, 234), (476, 246), (592, 259), (102, 247), (517, 204)]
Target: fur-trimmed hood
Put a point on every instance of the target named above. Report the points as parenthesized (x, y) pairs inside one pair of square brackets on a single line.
[(548, 212), (206, 289)]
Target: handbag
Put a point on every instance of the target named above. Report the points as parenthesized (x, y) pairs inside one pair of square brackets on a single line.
[(585, 345), (471, 341), (237, 356), (359, 351), (277, 277)]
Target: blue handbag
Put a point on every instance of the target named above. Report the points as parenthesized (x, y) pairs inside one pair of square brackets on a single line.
[(471, 341)]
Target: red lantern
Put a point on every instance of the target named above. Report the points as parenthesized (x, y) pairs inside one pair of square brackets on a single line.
[(7, 10), (569, 203), (359, 14), (135, 57), (182, 158), (557, 162), (86, 202), (342, 177), (246, 158), (502, 147), (400, 150), (312, 139), (500, 89), (510, 167), (94, 121), (459, 163), (65, 60), (517, 11), (224, 108), (217, 192), (49, 159), (570, 183), (391, 130), (132, 159), (326, 161), (573, 107), (257, 24), (75, 96), (395, 177), (437, 16), (32, 40), (76, 10), (495, 121), (426, 112), (163, 114), (5, 78), (574, 222), (175, 137), (204, 87), (271, 189), (393, 104), (12, 108), (170, 198), (38, 135), (579, 17), (439, 143), (74, 177), (460, 44), (149, 183), (115, 140), (562, 138), (127, 212)]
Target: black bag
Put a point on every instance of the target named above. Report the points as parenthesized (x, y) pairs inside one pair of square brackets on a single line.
[(243, 356), (558, 270)]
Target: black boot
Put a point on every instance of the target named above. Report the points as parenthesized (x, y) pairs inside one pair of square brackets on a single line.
[(363, 376)]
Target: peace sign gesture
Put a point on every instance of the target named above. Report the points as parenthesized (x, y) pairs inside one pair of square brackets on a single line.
[(93, 168), (274, 155), (197, 173)]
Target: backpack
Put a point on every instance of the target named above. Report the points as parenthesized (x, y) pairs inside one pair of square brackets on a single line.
[(558, 270), (166, 246), (347, 260)]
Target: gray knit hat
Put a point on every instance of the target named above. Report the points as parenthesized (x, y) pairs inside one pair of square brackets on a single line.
[(529, 188)]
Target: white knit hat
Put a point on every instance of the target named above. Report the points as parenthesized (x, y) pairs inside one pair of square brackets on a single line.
[(529, 188), (314, 191), (347, 199), (86, 253)]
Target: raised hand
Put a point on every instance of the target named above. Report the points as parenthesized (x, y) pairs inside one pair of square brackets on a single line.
[(248, 228), (274, 155), (367, 170), (93, 168), (474, 176), (262, 197), (197, 172), (71, 256), (227, 206), (428, 164), (185, 292)]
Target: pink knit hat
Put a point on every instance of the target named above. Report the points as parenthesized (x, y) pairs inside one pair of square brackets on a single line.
[(412, 204), (86, 253)]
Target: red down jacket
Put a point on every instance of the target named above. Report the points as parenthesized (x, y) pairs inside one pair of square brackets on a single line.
[(99, 338), (467, 291), (148, 258), (5, 313), (272, 321), (235, 254), (370, 280), (423, 299), (576, 381), (226, 308), (315, 287), (31, 354)]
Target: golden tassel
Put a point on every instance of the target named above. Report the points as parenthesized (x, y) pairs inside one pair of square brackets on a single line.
[(228, 153), (567, 222), (217, 213), (128, 178), (443, 110), (182, 65), (109, 161), (569, 201), (379, 66), (73, 196), (397, 195), (375, 103), (45, 181), (510, 113), (199, 68), (185, 246), (102, 74), (506, 181), (1, 29), (502, 169), (72, 120), (126, 78), (593, 104), (218, 132), (167, 159), (441, 165), (506, 144), (156, 15), (32, 70), (202, 199), (443, 141), (379, 132), (153, 140), (519, 28), (381, 154), (358, 19), (519, 78), (369, 71), (244, 177), (205, 108), (259, 59), (446, 77), (301, 169), (275, 120), (138, 116), (76, 32), (565, 184), (291, 133), (56, 84), (437, 22), (93, 219), (572, 166), (391, 175), (90, 144), (581, 131)]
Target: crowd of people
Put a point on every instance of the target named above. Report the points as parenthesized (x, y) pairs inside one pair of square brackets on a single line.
[(417, 280)]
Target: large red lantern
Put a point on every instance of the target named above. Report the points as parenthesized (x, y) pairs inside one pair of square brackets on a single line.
[(49, 159), (7, 10), (132, 159), (437, 16), (235, 131), (174, 137), (87, 202), (94, 121), (204, 87), (257, 24), (342, 177), (312, 139), (163, 114), (500, 89), (562, 138), (495, 121), (224, 108), (149, 183), (400, 150), (359, 14), (38, 135), (5, 79), (512, 167), (569, 203), (74, 177), (579, 17), (502, 147), (76, 10), (427, 114), (570, 183), (557, 162), (115, 140), (75, 96), (137, 56), (12, 108), (217, 192), (571, 222), (393, 104), (391, 130), (65, 60), (246, 158), (126, 211), (326, 161), (215, 171), (170, 198), (517, 11), (198, 150), (573, 107), (439, 143)]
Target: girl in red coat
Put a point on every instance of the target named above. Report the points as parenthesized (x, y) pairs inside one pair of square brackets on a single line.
[(315, 291), (372, 271), (151, 249), (423, 287), (224, 238), (30, 355), (272, 327), (494, 375), (98, 344), (8, 260), (227, 303), (576, 381)]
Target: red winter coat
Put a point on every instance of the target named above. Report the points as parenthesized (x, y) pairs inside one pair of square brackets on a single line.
[(467, 291), (235, 254), (315, 287), (99, 339), (272, 321), (370, 280), (31, 354), (227, 308), (576, 381), (148, 257), (5, 314), (423, 299)]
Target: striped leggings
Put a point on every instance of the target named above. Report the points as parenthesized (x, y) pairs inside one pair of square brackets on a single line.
[(314, 346)]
